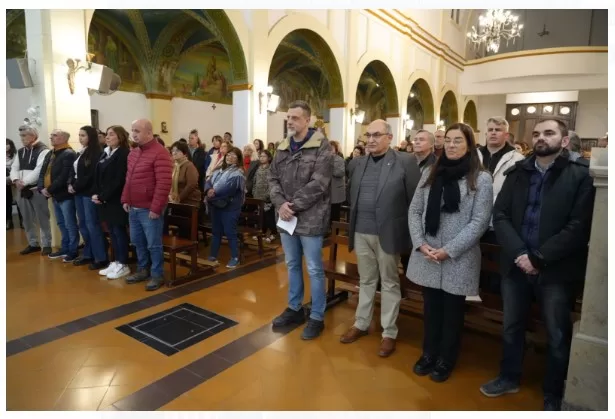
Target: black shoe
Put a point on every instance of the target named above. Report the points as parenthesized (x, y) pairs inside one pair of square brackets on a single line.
[(154, 283), (46, 251), (81, 261), (57, 255), (140, 276), (313, 329), (30, 249), (96, 266), (425, 365), (288, 317), (69, 258), (441, 372), (552, 404)]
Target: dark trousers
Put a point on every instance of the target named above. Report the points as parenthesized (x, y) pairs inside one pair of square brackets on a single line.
[(490, 281), (556, 303), (336, 211), (443, 324), (224, 222), (269, 222), (119, 242)]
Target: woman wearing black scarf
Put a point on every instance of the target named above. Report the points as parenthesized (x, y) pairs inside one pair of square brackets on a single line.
[(448, 215)]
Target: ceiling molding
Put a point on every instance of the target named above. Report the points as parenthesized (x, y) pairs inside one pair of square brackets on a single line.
[(538, 52)]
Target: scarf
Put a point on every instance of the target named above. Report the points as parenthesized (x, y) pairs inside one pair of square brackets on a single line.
[(445, 185), (47, 181), (175, 177)]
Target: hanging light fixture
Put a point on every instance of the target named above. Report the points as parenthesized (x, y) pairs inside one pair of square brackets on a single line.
[(493, 26)]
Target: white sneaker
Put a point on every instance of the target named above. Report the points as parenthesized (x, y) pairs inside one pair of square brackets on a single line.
[(110, 268), (119, 271)]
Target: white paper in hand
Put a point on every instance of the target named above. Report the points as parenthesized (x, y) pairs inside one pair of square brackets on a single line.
[(288, 226)]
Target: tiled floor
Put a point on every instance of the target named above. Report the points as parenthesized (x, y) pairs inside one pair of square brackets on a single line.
[(245, 367)]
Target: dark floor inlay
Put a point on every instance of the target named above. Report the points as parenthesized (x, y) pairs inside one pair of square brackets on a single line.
[(173, 330)]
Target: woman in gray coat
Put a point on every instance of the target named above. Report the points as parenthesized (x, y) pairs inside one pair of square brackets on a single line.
[(338, 181), (448, 215)]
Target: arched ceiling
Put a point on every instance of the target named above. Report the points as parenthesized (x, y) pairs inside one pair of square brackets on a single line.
[(449, 113), (303, 67), (376, 92), (150, 46), (420, 104)]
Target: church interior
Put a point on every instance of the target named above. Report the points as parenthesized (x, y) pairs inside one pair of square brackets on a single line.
[(204, 341)]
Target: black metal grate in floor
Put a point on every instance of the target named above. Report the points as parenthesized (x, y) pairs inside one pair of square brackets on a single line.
[(177, 328)]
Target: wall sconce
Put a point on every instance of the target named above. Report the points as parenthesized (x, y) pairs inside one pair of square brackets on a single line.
[(357, 115), (273, 101), (408, 123), (74, 66), (441, 125)]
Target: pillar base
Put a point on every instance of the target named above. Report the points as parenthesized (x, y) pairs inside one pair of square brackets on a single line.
[(587, 383)]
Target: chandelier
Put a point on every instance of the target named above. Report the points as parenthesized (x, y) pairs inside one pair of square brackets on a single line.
[(493, 26)]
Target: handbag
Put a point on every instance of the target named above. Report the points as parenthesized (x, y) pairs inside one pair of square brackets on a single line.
[(221, 203)]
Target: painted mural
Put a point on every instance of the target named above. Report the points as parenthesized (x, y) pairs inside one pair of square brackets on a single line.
[(109, 50), (203, 73), (16, 38)]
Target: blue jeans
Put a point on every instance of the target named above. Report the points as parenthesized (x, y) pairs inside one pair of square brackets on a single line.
[(556, 304), (90, 229), (119, 242), (224, 223), (295, 247), (67, 223), (146, 235)]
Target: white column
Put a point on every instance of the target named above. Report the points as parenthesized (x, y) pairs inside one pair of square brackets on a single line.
[(337, 126), (430, 127), (587, 383), (52, 37), (396, 127), (242, 118)]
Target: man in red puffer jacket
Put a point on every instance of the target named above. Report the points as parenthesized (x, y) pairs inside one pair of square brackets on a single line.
[(145, 196)]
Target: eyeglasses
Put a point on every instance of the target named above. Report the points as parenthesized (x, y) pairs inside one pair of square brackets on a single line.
[(457, 142), (374, 135), (231, 155)]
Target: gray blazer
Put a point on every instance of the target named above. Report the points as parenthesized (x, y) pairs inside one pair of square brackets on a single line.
[(338, 180), (459, 235), (398, 180)]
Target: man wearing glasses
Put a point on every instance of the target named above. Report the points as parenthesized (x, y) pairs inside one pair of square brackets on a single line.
[(381, 185), (300, 176)]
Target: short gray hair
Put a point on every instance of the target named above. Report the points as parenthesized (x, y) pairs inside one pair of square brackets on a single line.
[(388, 128), (63, 133), (499, 121), (430, 135), (575, 141), (28, 130)]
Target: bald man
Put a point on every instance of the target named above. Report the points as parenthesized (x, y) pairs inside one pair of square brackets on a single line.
[(381, 188), (145, 197)]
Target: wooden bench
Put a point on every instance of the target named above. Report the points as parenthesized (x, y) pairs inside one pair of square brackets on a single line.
[(251, 223), (485, 316), (184, 220)]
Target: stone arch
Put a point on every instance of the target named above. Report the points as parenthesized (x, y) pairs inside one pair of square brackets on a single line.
[(449, 112), (420, 100), (377, 76), (304, 66), (301, 21), (470, 116)]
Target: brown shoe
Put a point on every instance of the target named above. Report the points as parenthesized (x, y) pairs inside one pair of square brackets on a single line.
[(387, 347), (352, 335)]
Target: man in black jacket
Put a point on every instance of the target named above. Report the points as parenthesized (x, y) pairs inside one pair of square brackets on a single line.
[(53, 183), (542, 219)]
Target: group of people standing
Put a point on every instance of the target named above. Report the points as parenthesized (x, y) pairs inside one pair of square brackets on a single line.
[(436, 207)]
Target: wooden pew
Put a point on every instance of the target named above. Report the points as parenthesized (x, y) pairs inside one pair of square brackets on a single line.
[(250, 224), (185, 222), (485, 316)]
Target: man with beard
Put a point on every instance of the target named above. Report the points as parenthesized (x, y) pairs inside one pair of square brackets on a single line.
[(542, 220)]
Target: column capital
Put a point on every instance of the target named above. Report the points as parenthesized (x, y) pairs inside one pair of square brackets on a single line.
[(337, 105), (240, 87)]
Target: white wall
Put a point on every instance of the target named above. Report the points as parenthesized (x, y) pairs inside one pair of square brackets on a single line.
[(486, 107), (191, 114), (120, 108), (275, 127), (592, 113), (17, 102)]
